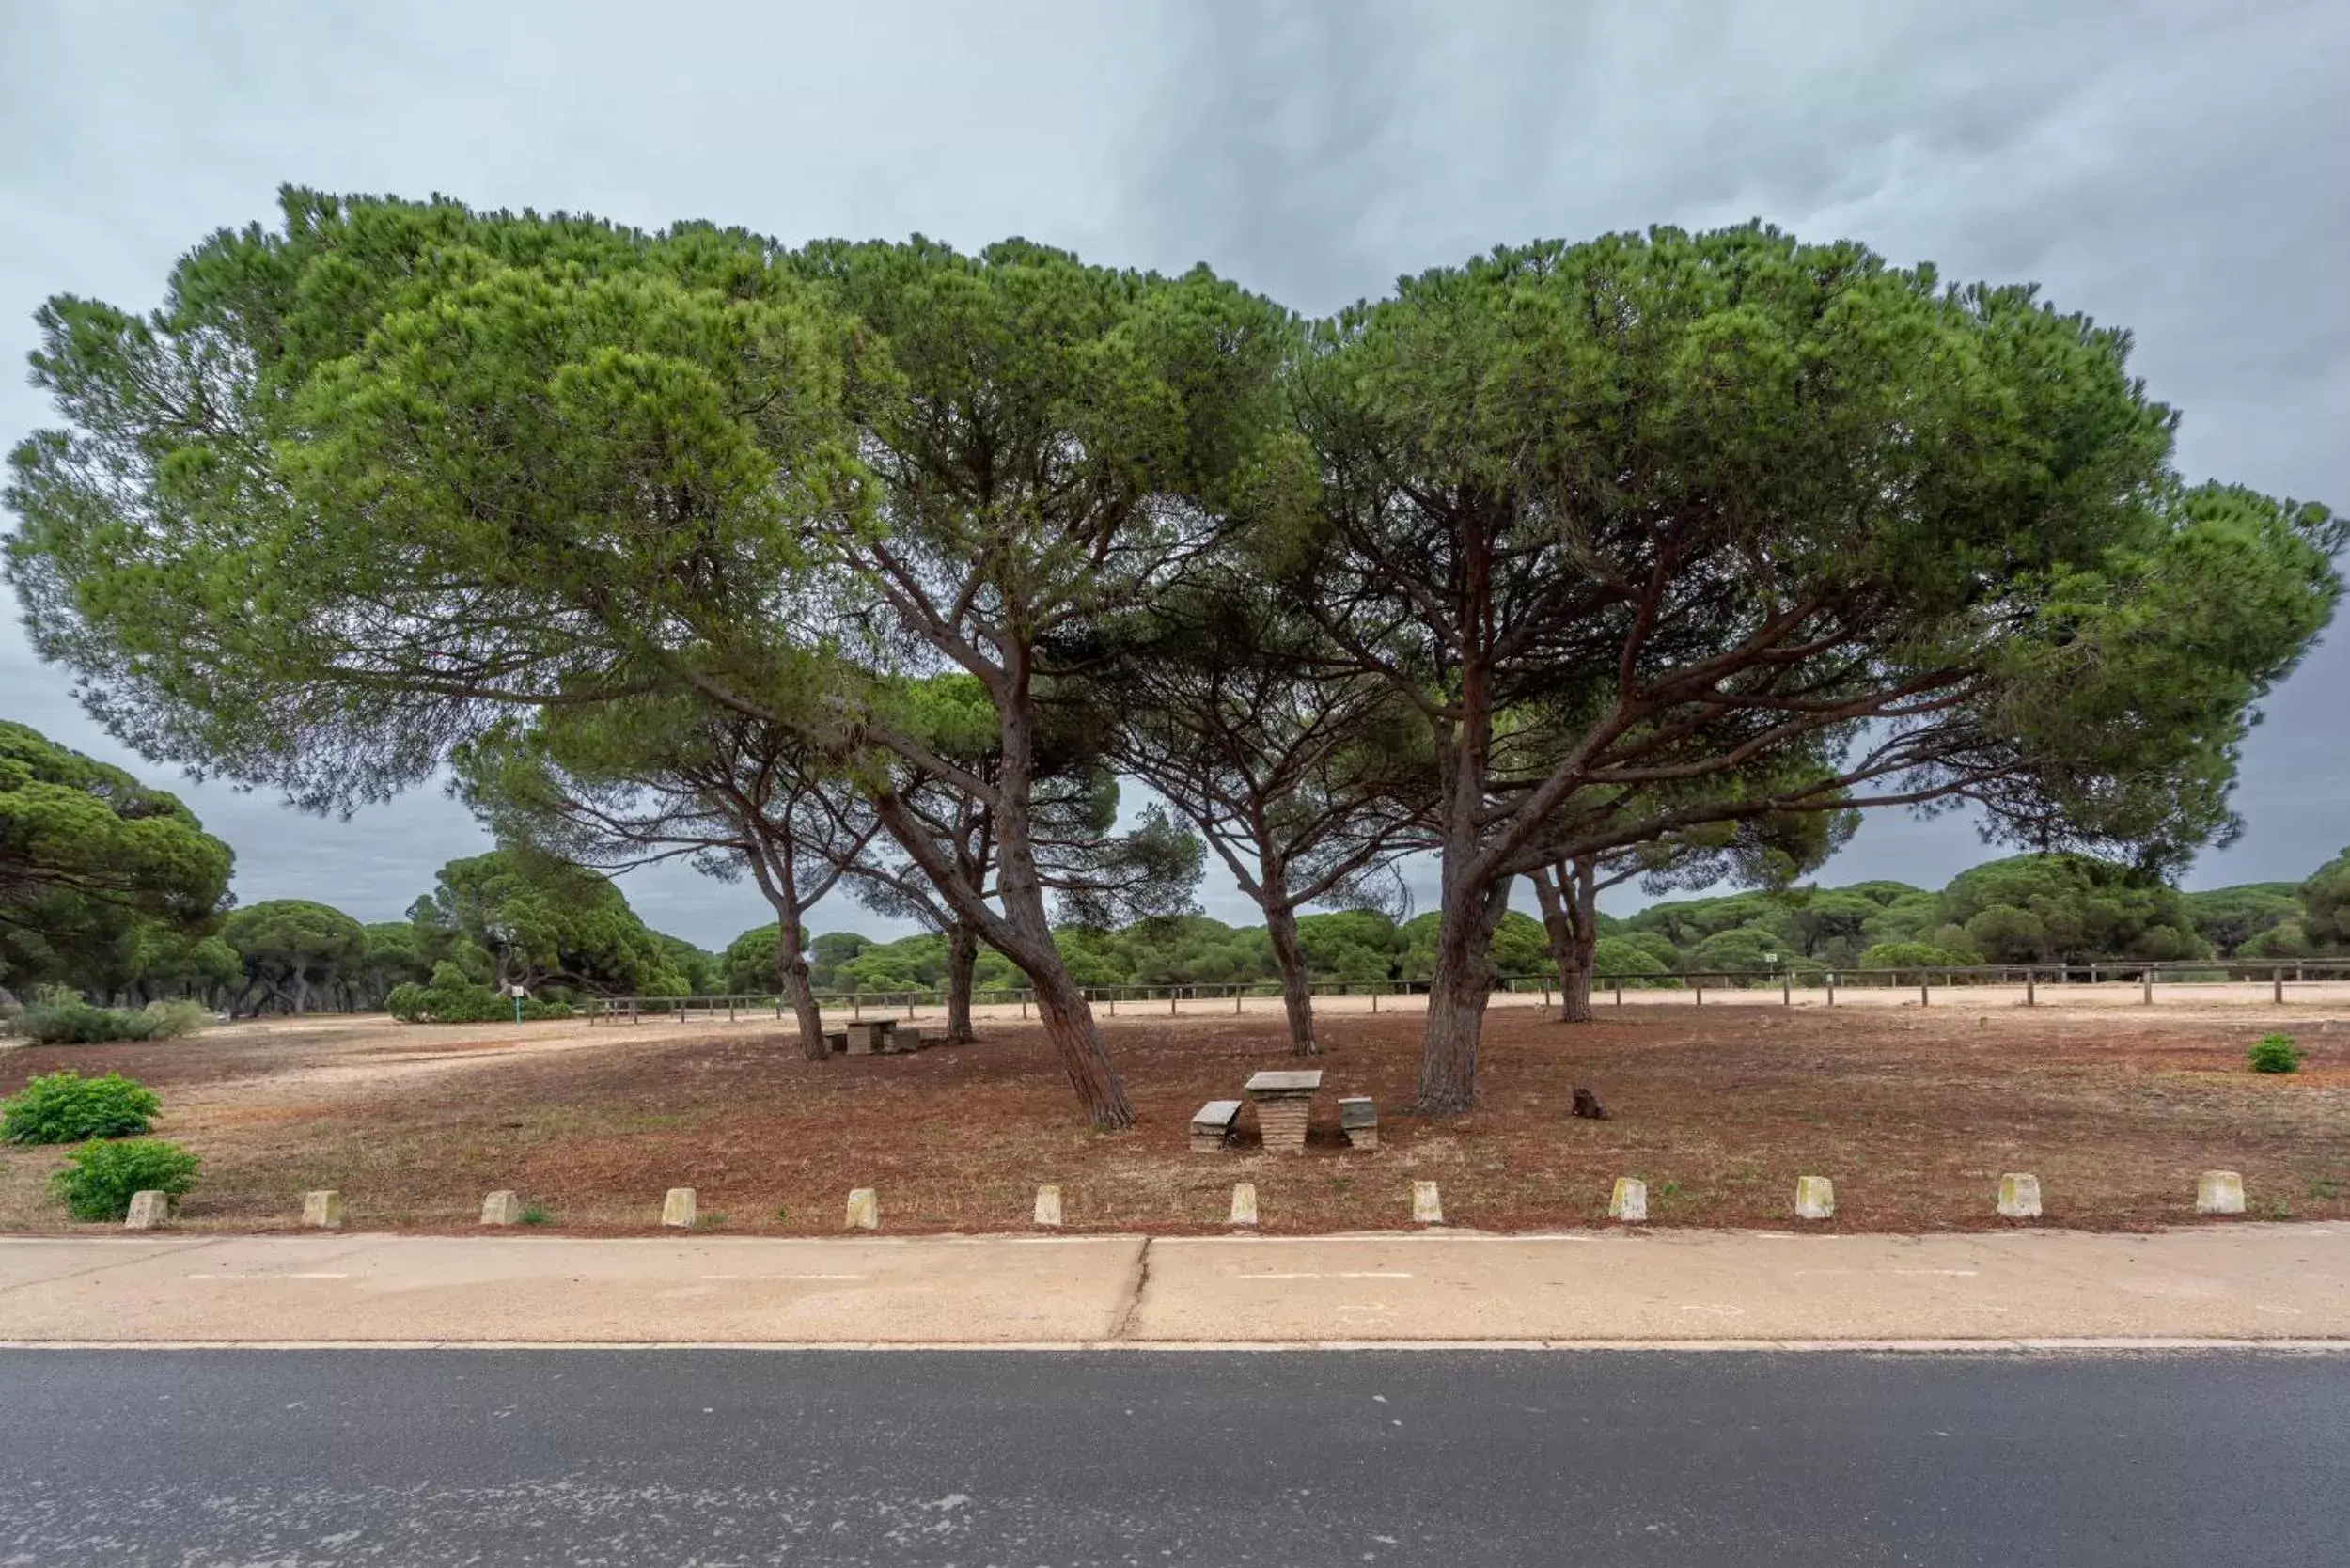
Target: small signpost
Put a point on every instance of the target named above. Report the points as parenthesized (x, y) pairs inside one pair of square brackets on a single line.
[(518, 993)]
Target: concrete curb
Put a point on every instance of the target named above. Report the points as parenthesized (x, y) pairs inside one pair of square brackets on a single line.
[(2087, 1346)]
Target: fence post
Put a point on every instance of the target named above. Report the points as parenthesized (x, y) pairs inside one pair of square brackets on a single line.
[(857, 1006), (1023, 1004), (1170, 1002), (2277, 984), (1787, 988), (2031, 988), (2147, 976), (730, 1010), (1698, 986), (1925, 998), (1113, 1001), (1831, 988), (1620, 991)]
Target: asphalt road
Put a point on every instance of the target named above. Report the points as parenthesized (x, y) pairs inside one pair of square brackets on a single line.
[(1053, 1459)]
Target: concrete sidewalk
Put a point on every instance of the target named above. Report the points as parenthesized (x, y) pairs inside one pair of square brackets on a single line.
[(2243, 1282)]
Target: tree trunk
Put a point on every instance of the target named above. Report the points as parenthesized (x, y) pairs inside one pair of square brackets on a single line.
[(1297, 995), (1069, 1025), (301, 990), (791, 968), (1022, 935), (1456, 999), (962, 959), (1569, 918)]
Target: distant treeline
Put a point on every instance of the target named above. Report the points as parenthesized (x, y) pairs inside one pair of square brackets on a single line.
[(113, 890), (2025, 909)]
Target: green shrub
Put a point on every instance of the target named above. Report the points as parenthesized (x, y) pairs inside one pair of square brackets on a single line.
[(100, 1181), (75, 1021), (66, 1107), (2274, 1053), (176, 1019), (463, 1003)]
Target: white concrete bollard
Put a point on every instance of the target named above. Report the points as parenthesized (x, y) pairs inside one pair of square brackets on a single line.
[(864, 1211), (322, 1210), (1815, 1198), (1427, 1207), (149, 1211), (1244, 1204), (502, 1208), (1629, 1202), (680, 1208), (2019, 1196), (1048, 1206), (2219, 1192)]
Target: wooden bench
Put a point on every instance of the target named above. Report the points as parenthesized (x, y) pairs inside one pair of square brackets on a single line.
[(871, 1036), (1212, 1125), (1358, 1119), (837, 1041)]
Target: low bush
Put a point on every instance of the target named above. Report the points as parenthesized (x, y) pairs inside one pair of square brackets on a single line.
[(436, 1003), (176, 1019), (77, 1022), (66, 1107), (99, 1183), (2274, 1053), (68, 1020)]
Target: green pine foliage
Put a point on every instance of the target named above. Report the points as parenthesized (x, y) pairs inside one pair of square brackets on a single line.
[(457, 1002)]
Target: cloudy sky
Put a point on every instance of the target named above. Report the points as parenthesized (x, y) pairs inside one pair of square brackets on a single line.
[(2175, 167)]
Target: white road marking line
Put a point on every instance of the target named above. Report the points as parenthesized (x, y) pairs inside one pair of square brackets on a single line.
[(1343, 1274)]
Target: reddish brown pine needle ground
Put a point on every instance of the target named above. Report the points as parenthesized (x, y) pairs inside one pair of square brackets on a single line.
[(1913, 1113)]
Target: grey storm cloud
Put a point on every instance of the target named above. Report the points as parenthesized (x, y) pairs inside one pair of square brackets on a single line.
[(2171, 167)]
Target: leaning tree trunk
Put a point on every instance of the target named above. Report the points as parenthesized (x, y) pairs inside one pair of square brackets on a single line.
[(1297, 995), (1457, 992), (1068, 1017), (1022, 934), (963, 962), (1069, 1025), (792, 969)]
